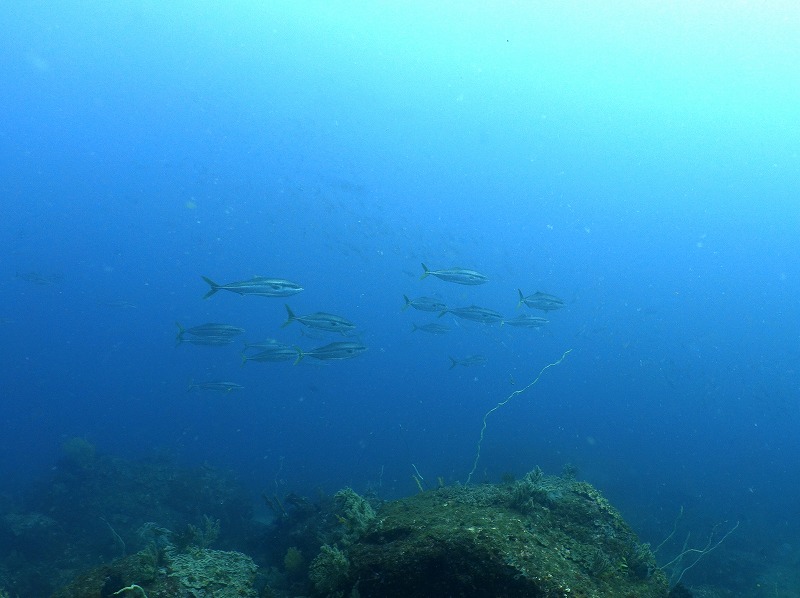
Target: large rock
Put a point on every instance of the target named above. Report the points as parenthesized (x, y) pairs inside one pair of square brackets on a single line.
[(540, 537)]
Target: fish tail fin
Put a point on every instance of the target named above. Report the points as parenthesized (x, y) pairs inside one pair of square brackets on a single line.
[(192, 385), (290, 316), (425, 272), (244, 358), (408, 302), (454, 362), (181, 330), (443, 312), (414, 327), (521, 298), (300, 355), (214, 287)]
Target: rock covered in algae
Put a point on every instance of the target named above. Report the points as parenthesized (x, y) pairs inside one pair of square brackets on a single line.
[(223, 574), (197, 573), (541, 536)]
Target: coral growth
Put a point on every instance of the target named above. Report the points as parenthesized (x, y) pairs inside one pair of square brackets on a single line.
[(354, 512), (329, 571)]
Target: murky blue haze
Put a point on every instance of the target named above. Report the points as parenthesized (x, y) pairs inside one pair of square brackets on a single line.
[(639, 162)]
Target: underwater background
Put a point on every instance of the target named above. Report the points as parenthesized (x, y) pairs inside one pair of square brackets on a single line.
[(637, 160)]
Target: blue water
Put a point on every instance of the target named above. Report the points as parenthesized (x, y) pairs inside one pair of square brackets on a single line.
[(638, 161)]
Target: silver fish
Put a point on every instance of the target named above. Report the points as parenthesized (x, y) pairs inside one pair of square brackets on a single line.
[(526, 321), (541, 301), (457, 275), (321, 321), (424, 304), (338, 350), (470, 361), (120, 304), (258, 285), (431, 328), (265, 344), (475, 313), (225, 387), (209, 329), (39, 278), (277, 352), (206, 341)]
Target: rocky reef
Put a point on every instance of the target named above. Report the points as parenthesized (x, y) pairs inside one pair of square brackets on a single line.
[(542, 536)]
